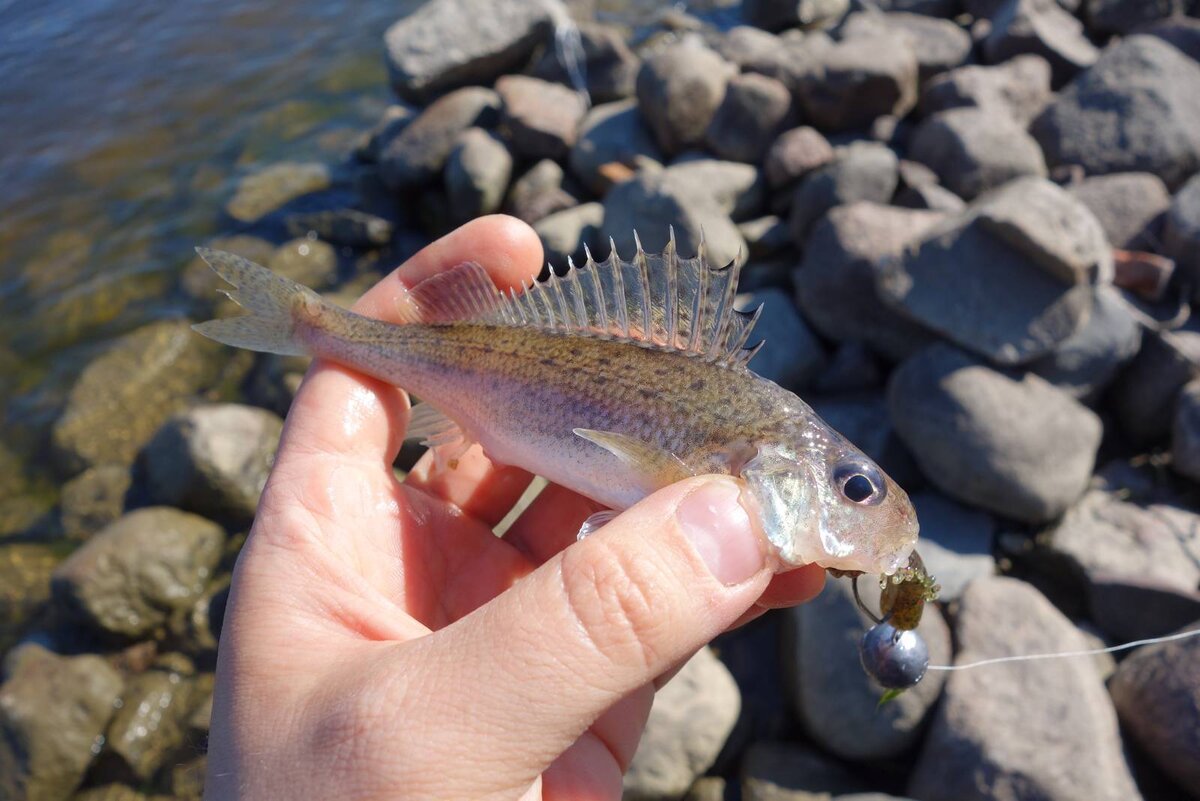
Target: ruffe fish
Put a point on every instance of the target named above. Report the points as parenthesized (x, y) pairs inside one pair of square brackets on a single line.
[(613, 379)]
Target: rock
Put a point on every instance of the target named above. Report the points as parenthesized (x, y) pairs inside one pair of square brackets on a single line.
[(930, 8), (53, 711), (780, 771), (1044, 29), (854, 81), (863, 171), (1181, 32), (955, 543), (419, 152), (565, 233), (706, 788), (306, 261), (540, 119), (1013, 445), (835, 282), (1020, 87), (1131, 112), (129, 577), (1185, 432), (349, 227), (613, 133), (123, 396), (1126, 16), (930, 197), (792, 357), (939, 44), (1154, 691), (213, 460), (1084, 363), (794, 154), (25, 570), (1181, 233), (765, 236), (836, 701), (754, 50), (92, 500), (609, 66), (539, 193), (852, 368), (774, 15), (450, 43), (272, 187), (679, 89), (973, 150), (395, 118), (477, 175), (1034, 729), (736, 189), (755, 109), (1128, 205), (151, 722), (1144, 394), (692, 716)]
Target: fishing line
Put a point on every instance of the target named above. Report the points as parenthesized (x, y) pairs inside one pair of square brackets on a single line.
[(1067, 654)]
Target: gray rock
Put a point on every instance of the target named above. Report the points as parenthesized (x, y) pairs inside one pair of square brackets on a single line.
[(930, 197), (792, 357), (306, 261), (609, 66), (1154, 691), (774, 15), (1044, 29), (1086, 362), (794, 154), (973, 150), (1013, 445), (780, 771), (836, 701), (754, 111), (395, 118), (1181, 233), (754, 50), (1041, 730), (679, 89), (613, 133), (863, 171), (123, 396), (272, 187), (128, 578), (736, 189), (477, 175), (539, 193), (1020, 87), (1128, 205), (1126, 16), (349, 227), (939, 44), (856, 80), (956, 542), (418, 153), (213, 460), (1181, 32), (539, 119), (565, 233), (151, 722), (1185, 432), (692, 716), (765, 236), (53, 711), (1131, 112), (930, 8), (92, 500), (835, 282), (445, 44), (1144, 394)]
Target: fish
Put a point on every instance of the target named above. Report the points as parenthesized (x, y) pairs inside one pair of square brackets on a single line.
[(614, 379)]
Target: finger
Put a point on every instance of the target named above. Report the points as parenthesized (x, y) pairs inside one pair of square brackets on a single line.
[(551, 523), (793, 587), (474, 484), (340, 413), (594, 623)]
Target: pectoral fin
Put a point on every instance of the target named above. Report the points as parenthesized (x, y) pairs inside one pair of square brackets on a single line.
[(657, 466)]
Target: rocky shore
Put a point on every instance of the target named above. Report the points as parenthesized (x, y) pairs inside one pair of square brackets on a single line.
[(975, 227)]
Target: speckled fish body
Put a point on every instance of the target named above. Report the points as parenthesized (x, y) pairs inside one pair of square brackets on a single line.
[(613, 380)]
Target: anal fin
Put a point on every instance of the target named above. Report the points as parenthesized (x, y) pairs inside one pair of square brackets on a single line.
[(437, 432), (595, 523)]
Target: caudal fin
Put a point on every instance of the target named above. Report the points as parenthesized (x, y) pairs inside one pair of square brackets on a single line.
[(270, 300)]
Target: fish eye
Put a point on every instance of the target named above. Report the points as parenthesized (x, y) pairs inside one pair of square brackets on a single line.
[(860, 482)]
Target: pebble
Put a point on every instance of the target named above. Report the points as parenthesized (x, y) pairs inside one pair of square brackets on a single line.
[(679, 89), (956, 542), (539, 193), (1129, 206), (477, 174), (794, 154), (1013, 445), (610, 68), (274, 186), (613, 133), (565, 233), (854, 81), (792, 356), (755, 110), (539, 119), (1019, 87), (1045, 29), (1042, 729), (863, 171), (774, 15), (1181, 233), (1156, 127), (418, 153), (973, 150)]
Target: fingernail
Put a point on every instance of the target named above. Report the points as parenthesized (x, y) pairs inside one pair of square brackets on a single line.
[(714, 520)]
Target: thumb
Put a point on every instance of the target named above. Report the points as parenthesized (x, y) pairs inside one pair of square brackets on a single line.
[(538, 664)]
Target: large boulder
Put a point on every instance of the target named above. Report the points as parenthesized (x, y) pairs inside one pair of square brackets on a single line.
[(1043, 729), (1133, 110), (1011, 444), (446, 44), (130, 577), (417, 154), (679, 89), (973, 150)]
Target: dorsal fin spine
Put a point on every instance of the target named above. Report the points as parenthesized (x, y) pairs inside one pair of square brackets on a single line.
[(643, 267), (598, 290), (738, 345), (622, 305), (724, 313), (698, 306), (559, 298), (670, 279)]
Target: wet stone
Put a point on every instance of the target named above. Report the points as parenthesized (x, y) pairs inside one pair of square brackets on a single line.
[(310, 262), (477, 174), (129, 577), (1128, 205), (274, 186), (151, 721), (1019, 87), (679, 89), (973, 150), (92, 500), (539, 119), (419, 152), (612, 133), (349, 227)]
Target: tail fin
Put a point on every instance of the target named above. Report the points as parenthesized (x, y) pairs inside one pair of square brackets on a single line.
[(271, 301)]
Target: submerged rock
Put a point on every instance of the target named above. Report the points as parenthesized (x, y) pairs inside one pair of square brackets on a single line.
[(25, 570), (272, 187)]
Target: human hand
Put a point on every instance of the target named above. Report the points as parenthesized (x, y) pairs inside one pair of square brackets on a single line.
[(381, 642)]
